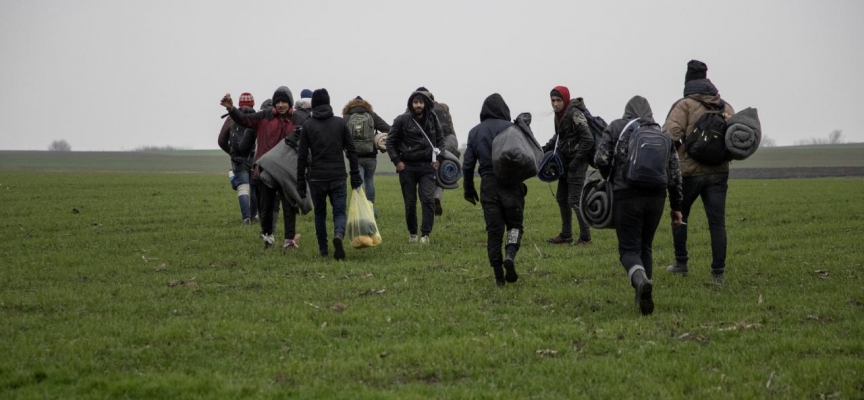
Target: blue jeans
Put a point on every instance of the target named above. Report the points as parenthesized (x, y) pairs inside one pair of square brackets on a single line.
[(712, 188), (367, 172), (338, 193), (245, 195)]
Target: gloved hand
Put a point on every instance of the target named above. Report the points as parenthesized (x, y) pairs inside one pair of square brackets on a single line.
[(301, 188), (356, 180), (471, 193)]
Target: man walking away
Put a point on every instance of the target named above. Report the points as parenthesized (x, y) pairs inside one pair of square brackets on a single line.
[(575, 144), (643, 165), (503, 206), (413, 146), (241, 162), (362, 123), (327, 139), (710, 182)]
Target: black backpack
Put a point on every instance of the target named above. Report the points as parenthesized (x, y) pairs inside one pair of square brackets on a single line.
[(707, 143), (236, 137), (648, 152), (597, 126)]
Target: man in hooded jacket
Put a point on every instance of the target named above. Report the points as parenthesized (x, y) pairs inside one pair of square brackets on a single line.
[(574, 142), (326, 138), (271, 126), (699, 180), (442, 112), (413, 146), (503, 206), (368, 162), (636, 210)]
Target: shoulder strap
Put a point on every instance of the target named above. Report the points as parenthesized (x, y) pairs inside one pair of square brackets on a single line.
[(435, 150)]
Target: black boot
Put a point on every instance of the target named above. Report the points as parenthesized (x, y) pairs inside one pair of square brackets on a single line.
[(510, 274), (643, 286), (499, 276)]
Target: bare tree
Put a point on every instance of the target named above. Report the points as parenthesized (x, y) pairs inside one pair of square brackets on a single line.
[(835, 137), (768, 142), (60, 145)]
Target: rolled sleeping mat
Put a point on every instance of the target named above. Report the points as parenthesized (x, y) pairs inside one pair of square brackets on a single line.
[(744, 133), (381, 141), (551, 167), (449, 172), (451, 144), (595, 206)]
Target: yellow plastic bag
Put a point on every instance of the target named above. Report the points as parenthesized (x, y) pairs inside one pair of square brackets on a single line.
[(361, 230)]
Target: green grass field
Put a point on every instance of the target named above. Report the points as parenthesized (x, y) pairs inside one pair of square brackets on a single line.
[(155, 290)]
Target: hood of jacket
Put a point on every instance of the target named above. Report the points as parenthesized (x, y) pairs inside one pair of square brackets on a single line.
[(267, 105), (426, 100), (494, 107), (303, 104), (282, 92), (356, 106), (700, 86), (638, 107), (323, 111)]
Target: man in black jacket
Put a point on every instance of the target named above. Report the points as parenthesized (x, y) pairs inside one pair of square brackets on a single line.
[(574, 142), (637, 210), (366, 122), (442, 112), (503, 206), (413, 146), (229, 141), (327, 138)]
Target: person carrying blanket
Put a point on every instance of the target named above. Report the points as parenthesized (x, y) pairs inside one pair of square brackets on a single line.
[(638, 208)]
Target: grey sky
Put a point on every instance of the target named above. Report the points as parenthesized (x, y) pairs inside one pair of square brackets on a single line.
[(114, 75)]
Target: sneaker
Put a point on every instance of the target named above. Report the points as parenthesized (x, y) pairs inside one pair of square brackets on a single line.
[(412, 239), (338, 250), (510, 270), (247, 221), (268, 241), (717, 277), (560, 239), (424, 239), (291, 243), (677, 269), (438, 209), (582, 243)]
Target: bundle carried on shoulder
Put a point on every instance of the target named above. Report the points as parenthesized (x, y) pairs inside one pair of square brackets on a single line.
[(516, 154), (279, 167), (595, 205), (449, 171), (744, 133)]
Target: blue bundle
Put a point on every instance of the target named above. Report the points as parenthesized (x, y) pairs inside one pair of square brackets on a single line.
[(551, 167), (450, 171)]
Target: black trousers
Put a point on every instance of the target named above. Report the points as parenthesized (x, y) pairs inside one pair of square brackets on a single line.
[(568, 195), (418, 179), (636, 220), (269, 198), (712, 189), (503, 208)]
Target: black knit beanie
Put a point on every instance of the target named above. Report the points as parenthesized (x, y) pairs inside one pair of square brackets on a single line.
[(696, 70), (555, 93), (320, 97)]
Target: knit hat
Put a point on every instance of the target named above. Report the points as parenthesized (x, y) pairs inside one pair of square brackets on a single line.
[(306, 94), (696, 70), (246, 100), (320, 97), (283, 94)]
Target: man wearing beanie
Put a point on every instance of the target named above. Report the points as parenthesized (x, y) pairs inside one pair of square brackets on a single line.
[(302, 108), (413, 146), (271, 126), (326, 138), (362, 123), (451, 144), (229, 141), (575, 144), (710, 182)]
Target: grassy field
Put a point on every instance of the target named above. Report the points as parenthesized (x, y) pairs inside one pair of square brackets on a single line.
[(153, 289)]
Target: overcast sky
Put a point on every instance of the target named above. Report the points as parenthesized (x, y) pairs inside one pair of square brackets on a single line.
[(115, 74)]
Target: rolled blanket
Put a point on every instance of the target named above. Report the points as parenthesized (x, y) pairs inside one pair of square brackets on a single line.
[(381, 141), (744, 133), (449, 171), (595, 206), (451, 144), (551, 167), (279, 167)]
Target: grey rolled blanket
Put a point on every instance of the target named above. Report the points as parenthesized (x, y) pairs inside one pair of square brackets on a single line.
[(743, 134), (279, 166)]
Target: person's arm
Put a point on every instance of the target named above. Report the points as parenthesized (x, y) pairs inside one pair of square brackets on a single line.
[(380, 124), (586, 139), (350, 149), (394, 139), (439, 138), (468, 163), (302, 157), (605, 155), (676, 120), (550, 145), (224, 134)]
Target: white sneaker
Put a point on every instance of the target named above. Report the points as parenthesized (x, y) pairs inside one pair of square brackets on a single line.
[(424, 239), (268, 241), (412, 239)]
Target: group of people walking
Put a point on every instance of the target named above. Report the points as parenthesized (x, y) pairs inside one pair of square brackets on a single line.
[(318, 143)]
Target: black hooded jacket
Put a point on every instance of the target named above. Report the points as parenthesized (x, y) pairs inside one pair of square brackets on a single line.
[(406, 142), (494, 119), (327, 138)]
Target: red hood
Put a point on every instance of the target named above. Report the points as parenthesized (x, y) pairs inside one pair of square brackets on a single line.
[(565, 93)]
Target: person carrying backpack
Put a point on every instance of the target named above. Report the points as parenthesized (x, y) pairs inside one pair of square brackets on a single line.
[(451, 143), (575, 144), (640, 162), (241, 161), (701, 112), (362, 123)]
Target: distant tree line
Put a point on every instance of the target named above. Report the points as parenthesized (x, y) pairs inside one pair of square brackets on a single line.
[(60, 145)]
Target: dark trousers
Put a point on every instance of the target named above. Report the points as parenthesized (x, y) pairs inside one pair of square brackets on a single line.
[(636, 220), (367, 172), (418, 179), (269, 199), (568, 196), (712, 188), (503, 208), (338, 194)]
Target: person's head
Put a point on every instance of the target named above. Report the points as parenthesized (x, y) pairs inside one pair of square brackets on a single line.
[(320, 97), (267, 105), (426, 92), (282, 100), (418, 105), (306, 94), (559, 96), (695, 70), (246, 100)]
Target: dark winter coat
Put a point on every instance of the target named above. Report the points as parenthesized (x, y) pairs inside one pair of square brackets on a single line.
[(357, 106), (575, 141), (612, 155), (406, 143), (270, 127), (328, 140), (494, 119), (225, 137)]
